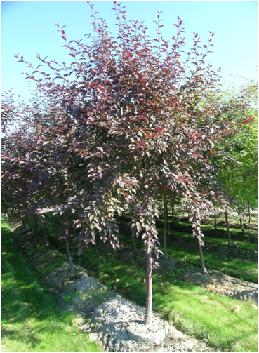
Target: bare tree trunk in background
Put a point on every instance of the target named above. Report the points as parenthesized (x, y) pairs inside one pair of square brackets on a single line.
[(69, 256), (45, 229), (227, 225), (249, 212), (203, 268), (79, 251), (24, 223), (148, 315), (134, 240), (241, 217), (79, 246), (35, 225), (165, 220), (173, 211), (215, 219), (173, 216)]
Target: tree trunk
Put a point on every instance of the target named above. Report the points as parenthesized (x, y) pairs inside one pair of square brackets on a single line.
[(79, 249), (173, 211), (249, 212), (203, 268), (35, 225), (165, 221), (24, 224), (227, 225), (45, 229), (69, 256), (173, 217), (134, 240), (215, 220), (241, 224), (148, 315)]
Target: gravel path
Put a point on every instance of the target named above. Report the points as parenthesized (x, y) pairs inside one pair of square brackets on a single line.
[(109, 318)]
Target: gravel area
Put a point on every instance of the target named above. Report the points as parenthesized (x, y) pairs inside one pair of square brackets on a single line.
[(121, 327), (221, 283)]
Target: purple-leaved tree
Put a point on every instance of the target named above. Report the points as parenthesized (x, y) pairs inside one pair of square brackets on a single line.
[(127, 119)]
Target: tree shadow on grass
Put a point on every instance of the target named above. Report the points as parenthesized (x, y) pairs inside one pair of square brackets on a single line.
[(27, 308)]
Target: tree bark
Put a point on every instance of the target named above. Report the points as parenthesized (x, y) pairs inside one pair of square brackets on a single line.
[(172, 217), (203, 268), (69, 256), (241, 224), (165, 221), (24, 223), (227, 225), (148, 315), (35, 225), (173, 211), (134, 240), (215, 220), (249, 212), (79, 248)]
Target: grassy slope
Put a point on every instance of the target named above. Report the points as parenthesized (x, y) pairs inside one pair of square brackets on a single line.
[(236, 267), (244, 269), (225, 323), (242, 244), (30, 320), (240, 268)]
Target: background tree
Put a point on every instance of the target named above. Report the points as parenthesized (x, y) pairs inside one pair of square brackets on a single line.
[(238, 169)]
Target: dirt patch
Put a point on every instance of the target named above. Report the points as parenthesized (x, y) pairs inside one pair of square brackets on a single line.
[(221, 283)]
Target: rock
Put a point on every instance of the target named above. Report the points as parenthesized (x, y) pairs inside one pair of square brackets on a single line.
[(218, 282), (153, 333)]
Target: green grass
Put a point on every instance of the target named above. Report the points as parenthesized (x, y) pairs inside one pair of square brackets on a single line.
[(242, 244), (221, 231), (236, 267), (30, 319), (225, 323), (244, 269)]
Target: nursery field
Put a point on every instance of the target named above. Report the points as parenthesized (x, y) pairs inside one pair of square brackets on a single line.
[(218, 320), (129, 182), (224, 323)]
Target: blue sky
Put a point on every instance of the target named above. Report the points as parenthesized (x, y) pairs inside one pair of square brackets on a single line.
[(28, 28)]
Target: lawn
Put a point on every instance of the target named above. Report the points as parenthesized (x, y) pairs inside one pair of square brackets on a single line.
[(243, 269), (236, 267), (210, 240), (225, 323), (30, 320)]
